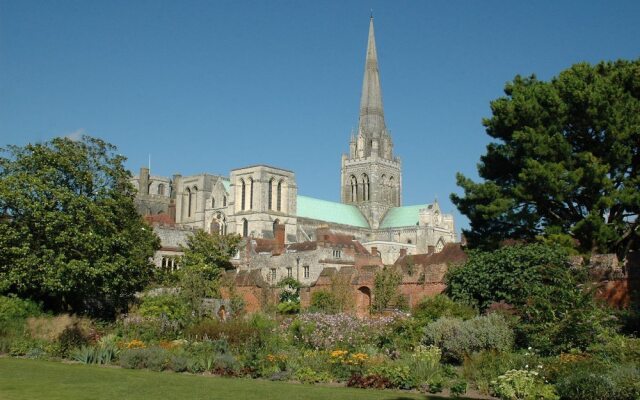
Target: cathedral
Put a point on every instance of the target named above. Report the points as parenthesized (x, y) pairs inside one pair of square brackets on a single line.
[(262, 204)]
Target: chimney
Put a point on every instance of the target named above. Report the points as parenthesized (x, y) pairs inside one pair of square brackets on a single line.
[(279, 232), (143, 181), (403, 253)]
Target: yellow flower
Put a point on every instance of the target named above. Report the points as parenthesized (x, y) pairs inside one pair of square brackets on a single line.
[(136, 344)]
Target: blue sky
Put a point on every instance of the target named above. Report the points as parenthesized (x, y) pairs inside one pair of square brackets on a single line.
[(208, 86)]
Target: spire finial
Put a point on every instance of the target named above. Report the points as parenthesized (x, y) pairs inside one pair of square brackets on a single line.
[(371, 17)]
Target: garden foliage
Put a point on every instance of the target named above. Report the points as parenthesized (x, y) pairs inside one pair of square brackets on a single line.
[(69, 231)]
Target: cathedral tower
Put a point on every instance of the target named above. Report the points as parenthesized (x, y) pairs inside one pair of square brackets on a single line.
[(371, 175)]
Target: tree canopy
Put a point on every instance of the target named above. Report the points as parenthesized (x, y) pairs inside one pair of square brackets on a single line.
[(565, 163), (206, 257), (70, 235)]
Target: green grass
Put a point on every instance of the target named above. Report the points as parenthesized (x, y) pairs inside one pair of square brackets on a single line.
[(33, 379)]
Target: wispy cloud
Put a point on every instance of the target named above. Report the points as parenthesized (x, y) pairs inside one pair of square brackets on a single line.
[(76, 135)]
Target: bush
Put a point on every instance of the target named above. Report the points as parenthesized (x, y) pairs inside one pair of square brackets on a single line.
[(424, 364), (178, 363), (170, 306), (323, 301), (399, 376), (22, 346), (458, 338), (236, 331), (484, 367), (14, 311), (325, 331), (522, 385), (369, 382), (308, 375), (509, 274), (458, 388), (593, 380), (432, 308), (148, 329), (557, 313), (155, 358), (616, 349)]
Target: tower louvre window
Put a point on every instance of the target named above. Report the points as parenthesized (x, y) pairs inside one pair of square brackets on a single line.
[(243, 194)]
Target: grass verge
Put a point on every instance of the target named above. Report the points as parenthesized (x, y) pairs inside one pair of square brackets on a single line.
[(34, 379)]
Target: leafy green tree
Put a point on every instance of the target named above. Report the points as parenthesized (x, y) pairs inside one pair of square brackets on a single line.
[(510, 274), (556, 310), (69, 232), (289, 296), (206, 257), (385, 290), (565, 163)]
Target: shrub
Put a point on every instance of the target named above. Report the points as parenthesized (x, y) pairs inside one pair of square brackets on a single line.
[(458, 338), (323, 301), (235, 331), (424, 364), (14, 311), (385, 290), (170, 306), (435, 385), (327, 332), (155, 358), (508, 274), (593, 380), (404, 334), (310, 376), (432, 308), (149, 329), (368, 382), (484, 367), (522, 385), (178, 363), (21, 346), (458, 388), (399, 376), (84, 355), (617, 349)]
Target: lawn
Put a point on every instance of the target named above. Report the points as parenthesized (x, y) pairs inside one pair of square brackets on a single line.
[(33, 379)]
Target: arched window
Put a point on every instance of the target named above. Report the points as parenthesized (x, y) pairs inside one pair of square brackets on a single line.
[(213, 202), (161, 189), (365, 187), (279, 196), (392, 188), (193, 203), (270, 190), (250, 193), (354, 189), (224, 201), (188, 199), (275, 223), (245, 228), (243, 194), (439, 245)]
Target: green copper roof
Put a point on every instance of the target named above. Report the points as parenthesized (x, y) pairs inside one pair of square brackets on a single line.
[(402, 216), (227, 184), (330, 211)]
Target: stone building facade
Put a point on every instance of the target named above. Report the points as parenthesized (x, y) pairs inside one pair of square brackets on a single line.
[(291, 235)]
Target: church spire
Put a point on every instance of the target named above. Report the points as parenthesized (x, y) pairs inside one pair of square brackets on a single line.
[(371, 111)]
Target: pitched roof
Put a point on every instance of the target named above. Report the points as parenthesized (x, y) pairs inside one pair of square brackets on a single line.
[(398, 217), (226, 183), (329, 211)]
